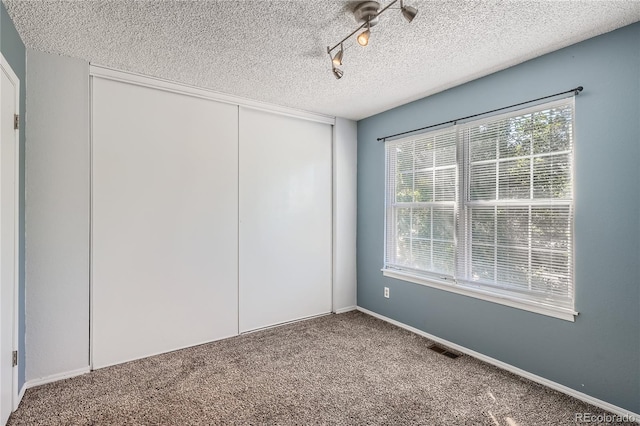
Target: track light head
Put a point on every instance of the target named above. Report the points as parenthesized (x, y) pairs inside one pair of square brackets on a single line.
[(337, 60), (337, 73), (363, 38), (409, 12)]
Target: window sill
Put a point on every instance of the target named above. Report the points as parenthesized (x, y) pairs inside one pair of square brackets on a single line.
[(567, 315)]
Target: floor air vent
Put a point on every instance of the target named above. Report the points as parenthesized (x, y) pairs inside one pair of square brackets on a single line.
[(444, 351)]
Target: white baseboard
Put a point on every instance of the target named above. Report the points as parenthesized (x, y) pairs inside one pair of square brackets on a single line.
[(533, 377), (347, 309), (55, 377)]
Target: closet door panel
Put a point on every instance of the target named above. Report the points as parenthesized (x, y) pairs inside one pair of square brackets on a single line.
[(285, 219), (164, 221)]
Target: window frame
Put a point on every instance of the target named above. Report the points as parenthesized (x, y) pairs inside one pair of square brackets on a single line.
[(460, 285)]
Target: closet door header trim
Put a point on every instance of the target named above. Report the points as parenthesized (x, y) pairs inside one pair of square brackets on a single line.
[(170, 86)]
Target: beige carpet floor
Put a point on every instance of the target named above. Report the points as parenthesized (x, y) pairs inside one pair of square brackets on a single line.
[(348, 369)]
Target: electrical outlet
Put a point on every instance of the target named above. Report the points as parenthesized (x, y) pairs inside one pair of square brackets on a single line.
[(386, 292)]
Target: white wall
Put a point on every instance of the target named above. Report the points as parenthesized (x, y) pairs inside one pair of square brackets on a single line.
[(57, 215), (345, 163)]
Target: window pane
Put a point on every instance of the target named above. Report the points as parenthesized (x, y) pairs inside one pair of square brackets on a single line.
[(552, 176), (445, 152), (424, 186), (550, 273), (404, 187), (551, 227), (443, 257), (403, 222), (422, 223), (515, 140), (513, 227), (483, 142), (422, 254), (513, 252), (513, 265), (424, 153), (482, 262), (515, 179), (552, 130), (403, 252), (404, 157), (483, 225), (445, 185), (443, 219), (483, 182)]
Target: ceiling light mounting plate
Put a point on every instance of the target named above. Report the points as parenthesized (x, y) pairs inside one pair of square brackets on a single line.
[(367, 12)]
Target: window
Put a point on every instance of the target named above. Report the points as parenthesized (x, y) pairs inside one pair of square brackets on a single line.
[(486, 209)]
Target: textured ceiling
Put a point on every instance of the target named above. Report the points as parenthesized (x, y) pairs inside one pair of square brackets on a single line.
[(275, 51)]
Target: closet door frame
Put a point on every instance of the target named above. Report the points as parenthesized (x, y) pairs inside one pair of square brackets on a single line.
[(98, 71)]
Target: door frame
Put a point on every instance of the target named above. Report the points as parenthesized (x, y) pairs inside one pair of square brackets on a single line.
[(6, 68)]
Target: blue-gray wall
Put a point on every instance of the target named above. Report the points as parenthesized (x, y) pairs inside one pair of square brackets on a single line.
[(599, 354), (14, 52)]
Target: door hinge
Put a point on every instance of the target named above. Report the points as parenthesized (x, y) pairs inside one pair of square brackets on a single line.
[(16, 121), (15, 358)]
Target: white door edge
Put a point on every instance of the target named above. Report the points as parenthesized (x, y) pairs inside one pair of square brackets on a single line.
[(6, 68)]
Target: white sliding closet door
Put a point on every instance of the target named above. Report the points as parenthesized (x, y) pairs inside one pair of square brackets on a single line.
[(285, 219), (164, 221)]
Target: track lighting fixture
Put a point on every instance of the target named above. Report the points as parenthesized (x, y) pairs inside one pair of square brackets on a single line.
[(337, 60), (367, 14), (408, 12), (363, 38)]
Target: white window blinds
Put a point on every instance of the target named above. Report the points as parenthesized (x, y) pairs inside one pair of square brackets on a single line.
[(487, 206), (421, 204)]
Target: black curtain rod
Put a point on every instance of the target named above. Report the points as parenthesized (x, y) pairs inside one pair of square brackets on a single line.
[(574, 91)]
